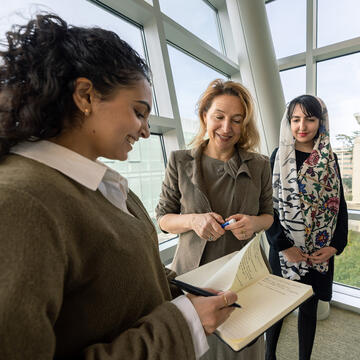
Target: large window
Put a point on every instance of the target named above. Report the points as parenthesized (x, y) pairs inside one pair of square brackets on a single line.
[(337, 21), (287, 21), (191, 78), (198, 16), (145, 171), (341, 93), (293, 82)]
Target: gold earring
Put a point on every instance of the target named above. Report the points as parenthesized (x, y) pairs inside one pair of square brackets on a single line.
[(87, 112)]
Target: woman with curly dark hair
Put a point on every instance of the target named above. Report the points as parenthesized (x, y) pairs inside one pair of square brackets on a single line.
[(80, 272), (310, 214)]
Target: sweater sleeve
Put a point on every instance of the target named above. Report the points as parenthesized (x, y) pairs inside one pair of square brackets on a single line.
[(155, 336), (275, 234), (175, 291), (339, 239), (33, 274)]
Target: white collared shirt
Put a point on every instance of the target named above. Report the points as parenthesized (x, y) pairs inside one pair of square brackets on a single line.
[(91, 174), (96, 175)]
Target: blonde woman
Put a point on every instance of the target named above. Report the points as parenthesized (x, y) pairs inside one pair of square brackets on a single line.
[(221, 178)]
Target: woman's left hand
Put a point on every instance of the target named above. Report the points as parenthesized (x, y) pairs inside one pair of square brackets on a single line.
[(243, 228), (322, 254)]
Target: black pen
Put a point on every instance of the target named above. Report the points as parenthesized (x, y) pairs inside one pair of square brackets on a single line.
[(195, 290)]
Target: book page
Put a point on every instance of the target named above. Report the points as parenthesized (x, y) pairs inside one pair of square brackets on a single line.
[(263, 304), (199, 276), (224, 277), (252, 266), (244, 267), (233, 271)]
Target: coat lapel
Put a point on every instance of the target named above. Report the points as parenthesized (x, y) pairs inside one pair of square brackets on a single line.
[(194, 172)]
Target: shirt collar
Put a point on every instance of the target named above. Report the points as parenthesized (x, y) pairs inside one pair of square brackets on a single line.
[(79, 168)]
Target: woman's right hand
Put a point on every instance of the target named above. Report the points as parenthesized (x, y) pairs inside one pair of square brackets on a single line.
[(294, 254), (213, 310), (207, 225)]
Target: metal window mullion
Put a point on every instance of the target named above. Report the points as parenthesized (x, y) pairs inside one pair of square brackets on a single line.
[(162, 75), (311, 29)]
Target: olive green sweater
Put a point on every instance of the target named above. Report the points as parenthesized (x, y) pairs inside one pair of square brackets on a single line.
[(79, 278)]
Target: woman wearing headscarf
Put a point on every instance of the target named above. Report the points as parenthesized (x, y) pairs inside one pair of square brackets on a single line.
[(221, 178), (310, 213)]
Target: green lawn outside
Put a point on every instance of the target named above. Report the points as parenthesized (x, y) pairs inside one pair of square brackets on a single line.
[(347, 265)]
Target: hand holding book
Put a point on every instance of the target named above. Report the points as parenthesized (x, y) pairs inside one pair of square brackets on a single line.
[(265, 298)]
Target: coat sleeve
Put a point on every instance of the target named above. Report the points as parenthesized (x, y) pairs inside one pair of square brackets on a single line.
[(169, 202), (33, 275), (339, 240), (266, 203), (275, 234)]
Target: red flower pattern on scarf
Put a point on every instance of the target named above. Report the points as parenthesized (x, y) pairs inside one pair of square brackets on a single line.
[(333, 204), (313, 158)]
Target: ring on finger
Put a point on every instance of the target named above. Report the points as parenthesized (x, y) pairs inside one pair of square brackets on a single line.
[(225, 300)]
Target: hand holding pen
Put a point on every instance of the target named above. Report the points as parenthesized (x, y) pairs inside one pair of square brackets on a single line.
[(231, 221), (212, 310), (244, 226), (201, 292)]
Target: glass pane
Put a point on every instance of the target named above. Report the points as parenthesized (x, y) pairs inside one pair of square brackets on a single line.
[(347, 267), (145, 171), (187, 14), (338, 86), (80, 13), (287, 21), (337, 20), (191, 78), (293, 82)]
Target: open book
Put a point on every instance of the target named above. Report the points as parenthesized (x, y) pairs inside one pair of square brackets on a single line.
[(264, 298)]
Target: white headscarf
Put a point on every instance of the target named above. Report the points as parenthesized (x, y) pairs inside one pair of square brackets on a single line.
[(307, 201)]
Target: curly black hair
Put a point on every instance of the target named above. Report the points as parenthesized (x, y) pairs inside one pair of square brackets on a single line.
[(38, 70)]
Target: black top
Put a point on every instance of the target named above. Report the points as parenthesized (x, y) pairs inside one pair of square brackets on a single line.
[(321, 283)]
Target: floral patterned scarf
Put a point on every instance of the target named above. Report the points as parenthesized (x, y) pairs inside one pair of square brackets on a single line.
[(307, 200)]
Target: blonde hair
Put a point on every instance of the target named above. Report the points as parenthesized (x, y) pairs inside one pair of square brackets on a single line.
[(249, 138)]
